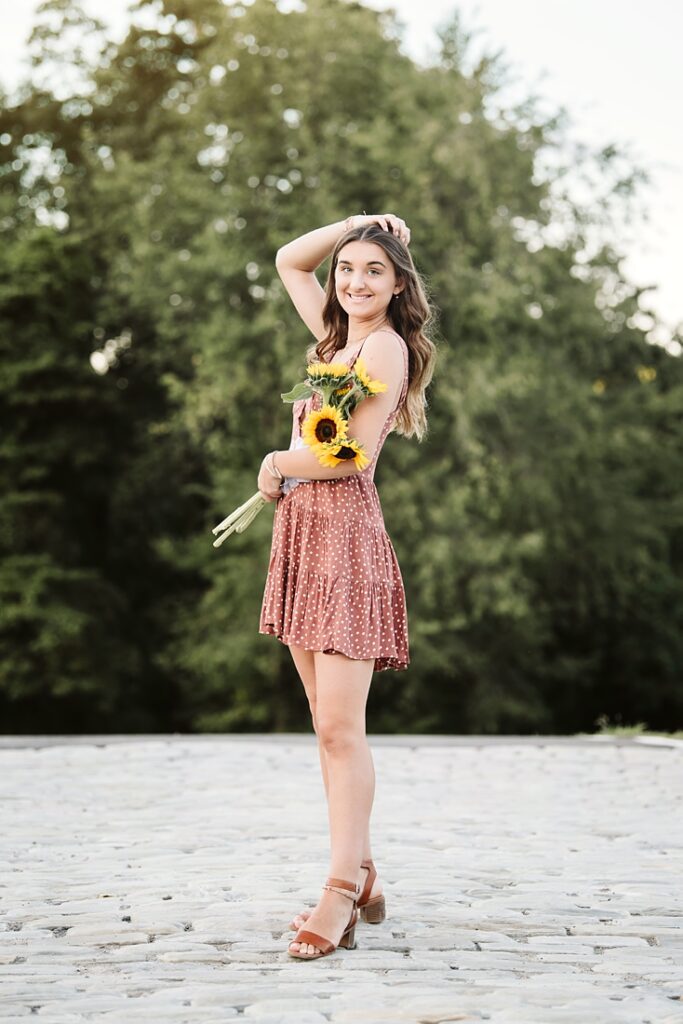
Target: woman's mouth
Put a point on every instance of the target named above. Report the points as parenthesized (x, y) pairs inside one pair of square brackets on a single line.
[(359, 298)]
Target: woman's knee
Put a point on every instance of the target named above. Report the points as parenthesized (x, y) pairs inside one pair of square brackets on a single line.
[(338, 736)]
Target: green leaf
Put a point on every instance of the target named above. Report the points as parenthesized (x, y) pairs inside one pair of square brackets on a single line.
[(299, 391)]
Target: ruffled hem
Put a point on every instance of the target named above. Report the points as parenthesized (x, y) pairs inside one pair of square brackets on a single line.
[(382, 663), (337, 616)]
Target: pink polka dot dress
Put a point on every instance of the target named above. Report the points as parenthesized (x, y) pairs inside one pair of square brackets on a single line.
[(334, 583)]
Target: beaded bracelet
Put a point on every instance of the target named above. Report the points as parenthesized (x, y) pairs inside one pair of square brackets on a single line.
[(272, 468), (348, 223)]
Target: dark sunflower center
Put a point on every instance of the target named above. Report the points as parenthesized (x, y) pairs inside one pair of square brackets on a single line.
[(344, 453), (325, 430)]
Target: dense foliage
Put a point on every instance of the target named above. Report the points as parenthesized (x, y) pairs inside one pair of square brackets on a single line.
[(146, 337)]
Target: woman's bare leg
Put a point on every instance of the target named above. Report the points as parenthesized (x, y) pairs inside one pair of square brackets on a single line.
[(305, 665), (342, 685)]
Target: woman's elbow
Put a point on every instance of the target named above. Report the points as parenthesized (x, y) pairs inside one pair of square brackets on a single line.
[(281, 257), (343, 469)]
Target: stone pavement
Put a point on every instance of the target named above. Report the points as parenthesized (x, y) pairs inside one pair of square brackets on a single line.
[(153, 878)]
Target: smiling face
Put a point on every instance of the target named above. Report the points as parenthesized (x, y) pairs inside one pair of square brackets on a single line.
[(365, 280)]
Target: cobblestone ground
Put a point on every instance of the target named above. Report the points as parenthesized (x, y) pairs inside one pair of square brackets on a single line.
[(154, 878)]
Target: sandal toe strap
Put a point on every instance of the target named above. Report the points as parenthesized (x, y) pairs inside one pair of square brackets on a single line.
[(314, 940)]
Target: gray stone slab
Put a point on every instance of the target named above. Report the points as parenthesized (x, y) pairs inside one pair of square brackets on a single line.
[(527, 879), (10, 742)]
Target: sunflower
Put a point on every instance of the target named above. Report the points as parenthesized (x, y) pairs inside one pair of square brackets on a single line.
[(373, 387), (346, 450), (322, 426), (327, 371)]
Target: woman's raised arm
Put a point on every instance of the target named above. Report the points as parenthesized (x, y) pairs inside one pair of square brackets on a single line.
[(296, 263)]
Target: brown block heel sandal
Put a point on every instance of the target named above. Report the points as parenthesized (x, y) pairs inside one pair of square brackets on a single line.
[(348, 939), (372, 911)]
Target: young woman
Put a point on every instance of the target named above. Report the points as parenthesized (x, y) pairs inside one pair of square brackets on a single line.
[(334, 592)]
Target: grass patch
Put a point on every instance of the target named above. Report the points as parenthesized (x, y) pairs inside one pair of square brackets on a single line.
[(607, 728)]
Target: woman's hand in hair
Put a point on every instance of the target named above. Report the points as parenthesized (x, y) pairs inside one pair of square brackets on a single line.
[(388, 221)]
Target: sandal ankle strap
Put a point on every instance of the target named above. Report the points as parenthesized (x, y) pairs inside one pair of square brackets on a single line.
[(349, 889)]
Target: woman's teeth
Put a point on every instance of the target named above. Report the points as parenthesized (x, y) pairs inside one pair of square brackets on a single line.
[(360, 298)]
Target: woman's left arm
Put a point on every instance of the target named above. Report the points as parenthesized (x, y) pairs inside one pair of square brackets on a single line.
[(383, 360)]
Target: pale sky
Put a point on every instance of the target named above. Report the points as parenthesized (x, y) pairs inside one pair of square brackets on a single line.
[(613, 64)]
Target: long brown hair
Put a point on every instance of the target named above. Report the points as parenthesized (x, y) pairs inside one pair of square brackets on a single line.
[(409, 313)]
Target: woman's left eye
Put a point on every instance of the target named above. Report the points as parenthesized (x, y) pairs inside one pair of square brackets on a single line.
[(372, 270)]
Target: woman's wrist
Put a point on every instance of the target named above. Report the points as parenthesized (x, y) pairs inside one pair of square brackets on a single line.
[(270, 465), (350, 222), (308, 251)]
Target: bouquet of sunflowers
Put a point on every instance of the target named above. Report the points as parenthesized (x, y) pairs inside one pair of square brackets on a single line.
[(324, 430), (341, 389)]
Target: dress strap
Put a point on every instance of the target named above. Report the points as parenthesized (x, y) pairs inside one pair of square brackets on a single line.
[(380, 330), (361, 348)]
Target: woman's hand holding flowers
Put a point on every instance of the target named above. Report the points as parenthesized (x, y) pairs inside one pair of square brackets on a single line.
[(324, 431), (269, 485)]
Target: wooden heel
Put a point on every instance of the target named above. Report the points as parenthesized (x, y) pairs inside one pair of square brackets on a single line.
[(348, 939), (374, 911)]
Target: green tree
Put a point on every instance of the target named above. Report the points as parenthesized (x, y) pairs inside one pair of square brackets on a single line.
[(538, 527)]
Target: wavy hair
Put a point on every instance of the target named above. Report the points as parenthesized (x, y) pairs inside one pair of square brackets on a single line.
[(409, 313)]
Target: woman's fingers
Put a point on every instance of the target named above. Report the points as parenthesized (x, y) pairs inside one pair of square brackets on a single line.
[(403, 231), (390, 222), (398, 227)]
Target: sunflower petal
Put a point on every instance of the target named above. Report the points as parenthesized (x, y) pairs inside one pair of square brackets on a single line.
[(346, 449), (329, 370), (371, 387)]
